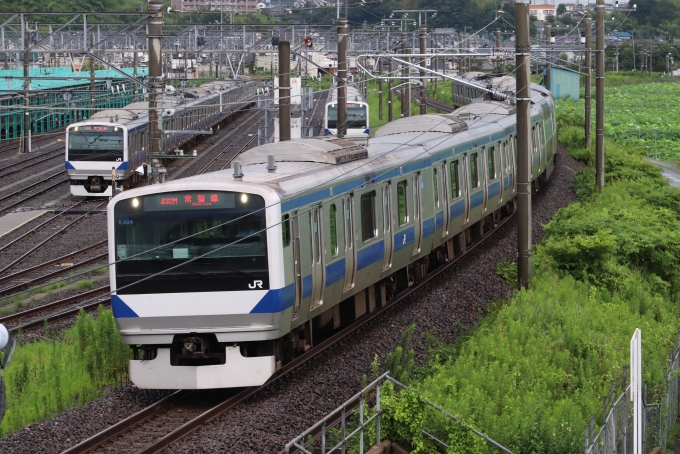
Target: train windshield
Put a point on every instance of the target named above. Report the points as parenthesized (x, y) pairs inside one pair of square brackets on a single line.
[(95, 143), (200, 241), (356, 116)]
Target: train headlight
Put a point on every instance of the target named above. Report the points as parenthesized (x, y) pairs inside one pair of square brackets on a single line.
[(135, 203), (244, 198)]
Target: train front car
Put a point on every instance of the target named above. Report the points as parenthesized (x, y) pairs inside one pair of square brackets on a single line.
[(358, 127), (198, 283), (93, 149)]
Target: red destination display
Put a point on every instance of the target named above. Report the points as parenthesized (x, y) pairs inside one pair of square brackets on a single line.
[(188, 200)]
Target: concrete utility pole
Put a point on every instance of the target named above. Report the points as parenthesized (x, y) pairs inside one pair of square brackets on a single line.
[(599, 92), (380, 89), (92, 74), (284, 90), (390, 112), (155, 30), (422, 35), (26, 130), (522, 55), (548, 55), (405, 82), (342, 77), (134, 70), (499, 52), (588, 82)]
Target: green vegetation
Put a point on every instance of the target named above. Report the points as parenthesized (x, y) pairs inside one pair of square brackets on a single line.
[(63, 370), (650, 128), (535, 369)]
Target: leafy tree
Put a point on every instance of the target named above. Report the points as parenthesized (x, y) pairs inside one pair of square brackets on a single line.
[(561, 9)]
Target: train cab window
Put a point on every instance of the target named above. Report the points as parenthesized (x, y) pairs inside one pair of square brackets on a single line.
[(332, 214), (491, 162), (474, 169), (402, 204), (435, 185), (455, 185), (368, 224), (285, 229)]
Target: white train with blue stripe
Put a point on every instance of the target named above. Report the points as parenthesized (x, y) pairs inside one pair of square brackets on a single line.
[(358, 121), (119, 138), (221, 278)]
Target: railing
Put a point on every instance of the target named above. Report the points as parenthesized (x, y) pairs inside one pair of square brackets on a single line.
[(330, 435), (616, 433)]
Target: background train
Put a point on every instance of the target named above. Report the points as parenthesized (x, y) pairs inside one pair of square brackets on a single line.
[(358, 126), (120, 137), (244, 271)]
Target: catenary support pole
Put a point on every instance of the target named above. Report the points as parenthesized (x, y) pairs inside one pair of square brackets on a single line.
[(342, 77), (422, 35), (499, 52), (390, 112), (548, 55), (523, 53), (155, 30), (27, 116), (405, 82), (588, 81), (599, 93), (380, 89), (92, 81), (284, 90)]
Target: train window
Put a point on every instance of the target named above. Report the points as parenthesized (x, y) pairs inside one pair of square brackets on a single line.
[(533, 140), (474, 176), (368, 224), (334, 234), (490, 162), (285, 229), (455, 186), (402, 205), (435, 185)]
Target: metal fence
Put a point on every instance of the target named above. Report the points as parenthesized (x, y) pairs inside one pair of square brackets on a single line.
[(616, 433), (349, 427)]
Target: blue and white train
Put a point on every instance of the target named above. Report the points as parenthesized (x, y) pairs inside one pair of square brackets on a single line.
[(358, 126), (119, 138), (221, 278)]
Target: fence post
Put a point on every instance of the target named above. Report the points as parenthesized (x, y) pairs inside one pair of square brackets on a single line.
[(377, 409), (585, 432)]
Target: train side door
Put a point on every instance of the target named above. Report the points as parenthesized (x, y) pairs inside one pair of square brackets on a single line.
[(318, 269), (446, 196), (297, 264), (466, 189), (417, 213), (485, 172), (501, 174), (350, 243), (387, 224)]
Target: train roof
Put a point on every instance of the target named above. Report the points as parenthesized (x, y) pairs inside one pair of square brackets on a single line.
[(353, 94)]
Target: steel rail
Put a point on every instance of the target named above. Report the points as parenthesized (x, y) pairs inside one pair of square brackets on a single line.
[(207, 166), (32, 185), (49, 238), (118, 429), (35, 229), (54, 304), (49, 158), (13, 276), (62, 315)]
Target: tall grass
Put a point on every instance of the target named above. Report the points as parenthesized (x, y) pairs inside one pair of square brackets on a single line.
[(64, 370), (532, 373)]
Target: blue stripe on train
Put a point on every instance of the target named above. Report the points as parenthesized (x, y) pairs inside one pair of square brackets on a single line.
[(335, 272), (371, 254), (276, 300), (403, 239)]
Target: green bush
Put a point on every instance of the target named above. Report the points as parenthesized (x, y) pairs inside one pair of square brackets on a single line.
[(536, 368), (51, 375)]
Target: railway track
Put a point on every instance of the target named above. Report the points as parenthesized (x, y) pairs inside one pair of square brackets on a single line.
[(13, 145), (11, 320), (137, 423), (35, 194), (38, 159), (433, 103), (51, 237), (13, 283), (240, 143)]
